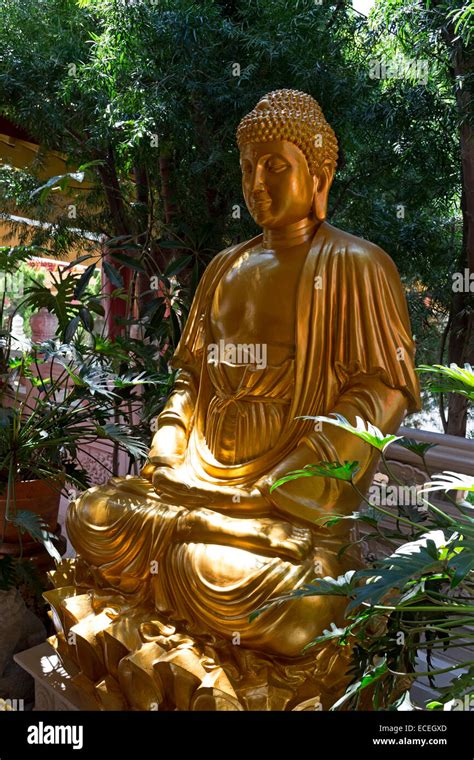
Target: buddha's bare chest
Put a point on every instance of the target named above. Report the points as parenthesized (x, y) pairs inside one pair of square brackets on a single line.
[(256, 300)]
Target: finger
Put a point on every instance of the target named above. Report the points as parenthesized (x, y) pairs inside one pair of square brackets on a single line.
[(179, 492), (147, 471)]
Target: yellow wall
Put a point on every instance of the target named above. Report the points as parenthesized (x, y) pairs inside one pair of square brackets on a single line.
[(22, 155)]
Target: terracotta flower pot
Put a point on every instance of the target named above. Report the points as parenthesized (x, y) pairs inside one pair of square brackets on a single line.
[(36, 496)]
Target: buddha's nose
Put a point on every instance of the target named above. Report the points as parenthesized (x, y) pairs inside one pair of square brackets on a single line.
[(258, 184)]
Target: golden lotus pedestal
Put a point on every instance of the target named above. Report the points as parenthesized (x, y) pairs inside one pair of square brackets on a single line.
[(130, 658)]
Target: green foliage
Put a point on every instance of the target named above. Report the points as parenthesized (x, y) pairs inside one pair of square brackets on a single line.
[(41, 434), (463, 19), (452, 379), (97, 388), (31, 523), (345, 471), (101, 82), (17, 573), (341, 586), (7, 573), (416, 600), (418, 448), (372, 435)]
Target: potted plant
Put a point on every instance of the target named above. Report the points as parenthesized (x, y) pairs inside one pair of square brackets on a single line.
[(56, 400), (43, 432)]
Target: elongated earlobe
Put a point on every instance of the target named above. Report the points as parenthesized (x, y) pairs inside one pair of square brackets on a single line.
[(322, 183), (320, 206)]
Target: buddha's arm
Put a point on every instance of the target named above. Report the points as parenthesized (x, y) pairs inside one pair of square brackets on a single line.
[(175, 421), (179, 408), (173, 424), (368, 398)]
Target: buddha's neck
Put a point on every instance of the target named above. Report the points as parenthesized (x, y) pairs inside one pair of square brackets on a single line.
[(290, 236)]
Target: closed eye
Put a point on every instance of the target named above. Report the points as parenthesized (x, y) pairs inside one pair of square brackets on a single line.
[(276, 165)]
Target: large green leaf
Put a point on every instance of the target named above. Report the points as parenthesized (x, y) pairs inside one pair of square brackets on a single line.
[(84, 281), (452, 379), (336, 470), (178, 265), (370, 677), (121, 434), (363, 430), (462, 561), (344, 585), (410, 561), (29, 522), (128, 261), (113, 274), (417, 447)]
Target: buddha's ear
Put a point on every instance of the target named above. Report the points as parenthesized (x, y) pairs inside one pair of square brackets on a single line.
[(322, 183)]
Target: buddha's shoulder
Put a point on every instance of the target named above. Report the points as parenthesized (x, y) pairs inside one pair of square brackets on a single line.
[(254, 243), (361, 252), (225, 257)]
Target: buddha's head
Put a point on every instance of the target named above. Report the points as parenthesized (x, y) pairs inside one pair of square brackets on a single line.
[(288, 155)]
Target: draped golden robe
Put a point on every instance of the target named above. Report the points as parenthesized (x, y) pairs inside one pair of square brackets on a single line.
[(353, 354)]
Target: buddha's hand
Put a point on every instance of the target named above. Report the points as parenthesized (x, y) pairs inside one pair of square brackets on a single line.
[(265, 535), (177, 483), (167, 449), (287, 539)]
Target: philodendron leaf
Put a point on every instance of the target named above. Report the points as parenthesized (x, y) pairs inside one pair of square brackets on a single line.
[(409, 562), (370, 676), (345, 471), (462, 563), (363, 430), (449, 481), (452, 379), (328, 635), (417, 447), (333, 519), (459, 687), (343, 585)]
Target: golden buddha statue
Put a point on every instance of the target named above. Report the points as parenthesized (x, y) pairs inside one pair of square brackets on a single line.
[(302, 320)]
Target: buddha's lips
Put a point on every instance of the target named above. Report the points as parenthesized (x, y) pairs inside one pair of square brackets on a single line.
[(261, 203)]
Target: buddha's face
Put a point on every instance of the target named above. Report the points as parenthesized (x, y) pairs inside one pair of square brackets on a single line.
[(277, 185)]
